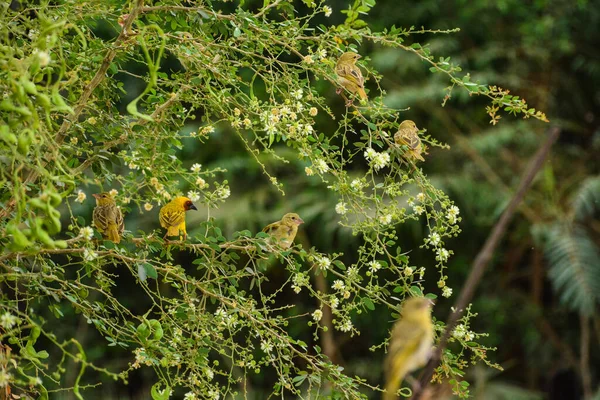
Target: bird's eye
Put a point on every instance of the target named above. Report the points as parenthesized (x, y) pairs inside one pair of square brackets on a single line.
[(293, 217)]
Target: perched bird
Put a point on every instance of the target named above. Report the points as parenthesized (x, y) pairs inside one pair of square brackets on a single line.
[(284, 231), (408, 135), (410, 345), (349, 75), (108, 218), (172, 216)]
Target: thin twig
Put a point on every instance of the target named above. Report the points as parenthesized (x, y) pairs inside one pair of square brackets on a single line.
[(484, 256)]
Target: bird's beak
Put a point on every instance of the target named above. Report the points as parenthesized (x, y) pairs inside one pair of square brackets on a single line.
[(97, 196), (193, 207), (358, 56), (300, 221)]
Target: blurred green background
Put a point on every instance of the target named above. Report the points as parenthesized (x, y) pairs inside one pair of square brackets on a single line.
[(539, 297)]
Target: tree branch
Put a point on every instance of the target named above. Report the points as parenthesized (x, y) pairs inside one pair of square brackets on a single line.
[(485, 255)]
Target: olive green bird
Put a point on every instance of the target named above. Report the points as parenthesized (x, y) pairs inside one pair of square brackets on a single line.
[(284, 231), (172, 216), (410, 344), (349, 75), (108, 218), (408, 134)]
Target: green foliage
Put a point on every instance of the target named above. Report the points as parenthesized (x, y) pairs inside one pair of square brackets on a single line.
[(202, 315)]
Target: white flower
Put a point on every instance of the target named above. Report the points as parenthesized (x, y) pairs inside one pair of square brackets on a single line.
[(386, 219), (7, 321), (346, 326), (340, 208), (374, 266), (313, 111), (209, 373), (224, 192), (322, 53), (352, 273), (193, 195), (434, 239), (297, 94), (408, 271), (308, 130), (346, 294), (86, 232), (381, 160), (213, 394), (419, 210), (469, 336), (196, 168), (338, 284), (447, 291), (370, 154), (113, 193), (459, 331), (193, 134), (267, 347), (201, 183), (208, 129), (321, 166), (322, 262), (148, 206), (356, 184), (80, 196), (327, 10), (189, 396), (308, 171), (308, 59), (89, 255), (43, 57), (335, 302), (442, 255), (421, 197), (452, 214), (317, 315)]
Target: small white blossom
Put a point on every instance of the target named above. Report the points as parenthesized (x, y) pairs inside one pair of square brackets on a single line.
[(459, 331), (308, 59), (193, 195), (346, 326), (381, 160), (89, 255), (434, 238), (452, 214), (7, 321), (224, 192), (352, 273), (327, 10), (201, 183), (442, 255), (43, 57), (196, 168), (213, 394), (322, 262), (447, 291), (80, 196), (113, 193), (308, 171), (386, 219), (340, 208), (148, 206), (209, 373), (408, 271), (297, 94), (421, 197), (374, 266), (469, 336), (313, 111), (356, 184), (5, 378), (321, 166), (189, 396), (370, 154), (86, 232), (322, 53), (317, 315), (338, 284), (267, 347), (335, 302), (419, 210)]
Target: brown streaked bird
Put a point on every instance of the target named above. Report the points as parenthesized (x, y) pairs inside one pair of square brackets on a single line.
[(410, 345), (408, 134), (349, 75), (284, 231), (108, 218), (172, 216)]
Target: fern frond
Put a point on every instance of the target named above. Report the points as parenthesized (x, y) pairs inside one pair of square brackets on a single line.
[(587, 199), (574, 271)]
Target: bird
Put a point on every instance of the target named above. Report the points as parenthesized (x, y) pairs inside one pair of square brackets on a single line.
[(349, 75), (108, 218), (172, 216), (284, 231), (408, 135), (410, 344)]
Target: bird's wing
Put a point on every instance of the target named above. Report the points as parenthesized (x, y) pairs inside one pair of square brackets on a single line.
[(99, 218), (351, 73), (170, 217), (271, 227)]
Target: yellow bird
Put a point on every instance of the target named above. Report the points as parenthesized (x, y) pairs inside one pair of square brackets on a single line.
[(108, 218), (410, 345), (284, 231), (349, 75), (172, 216), (408, 134)]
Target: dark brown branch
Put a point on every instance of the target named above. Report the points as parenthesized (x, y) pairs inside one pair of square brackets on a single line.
[(484, 256), (584, 357)]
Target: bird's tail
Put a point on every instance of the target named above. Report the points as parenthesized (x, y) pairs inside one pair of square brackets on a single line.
[(112, 233), (417, 155), (393, 382)]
